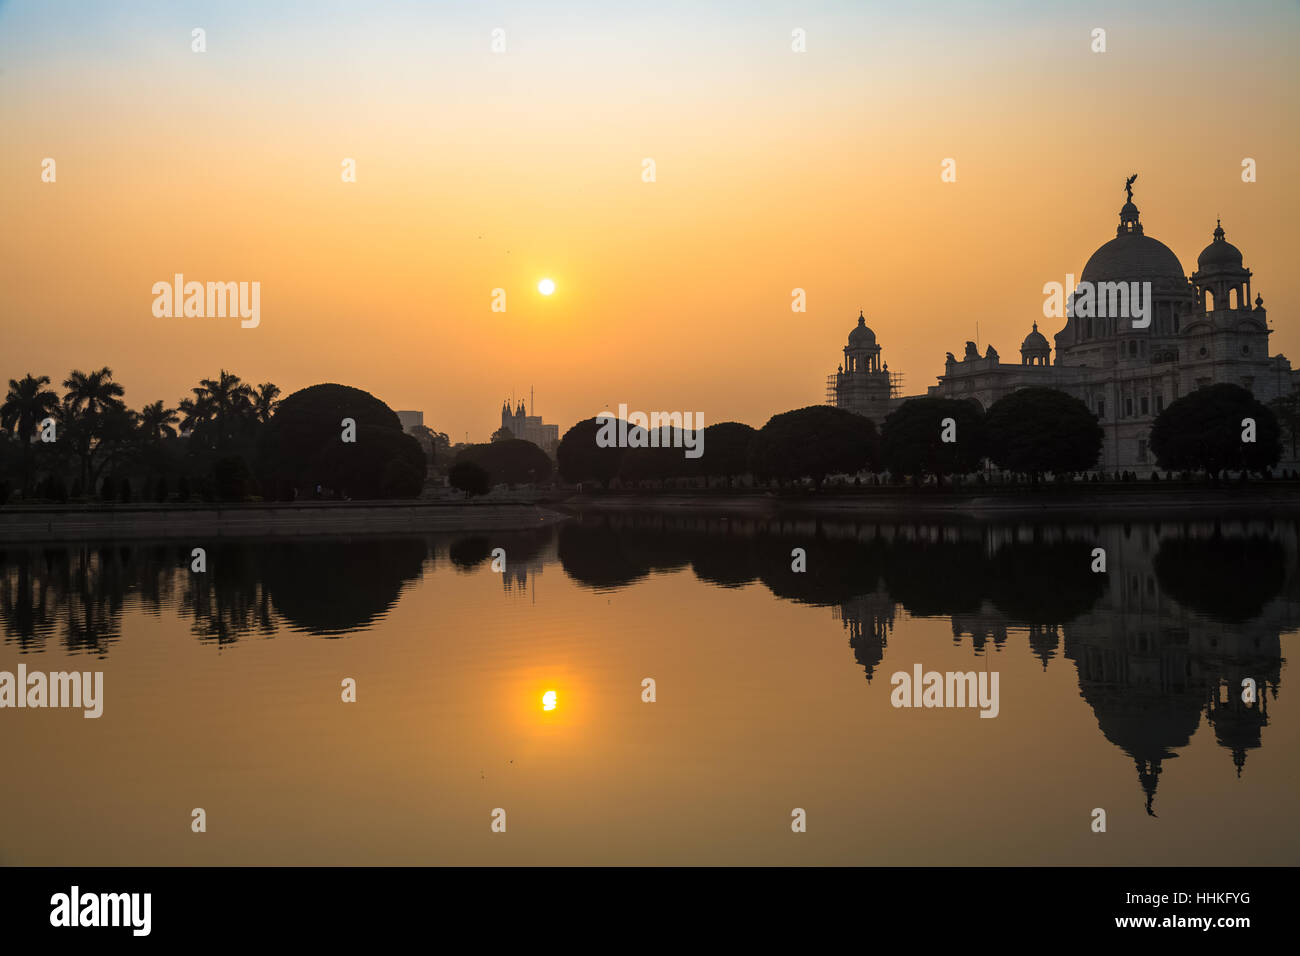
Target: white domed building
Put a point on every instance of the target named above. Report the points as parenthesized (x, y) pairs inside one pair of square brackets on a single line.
[(1204, 329)]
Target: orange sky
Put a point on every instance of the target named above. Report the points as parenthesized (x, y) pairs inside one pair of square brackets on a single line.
[(478, 170)]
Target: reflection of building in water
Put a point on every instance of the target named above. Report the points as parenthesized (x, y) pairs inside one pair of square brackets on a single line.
[(1149, 666), (868, 618), (986, 624), (523, 567)]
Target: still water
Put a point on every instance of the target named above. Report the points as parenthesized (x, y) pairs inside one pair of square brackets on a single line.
[(222, 691)]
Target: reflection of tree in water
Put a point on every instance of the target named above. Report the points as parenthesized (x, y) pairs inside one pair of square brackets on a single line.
[(1226, 578), (838, 569), (469, 552), (29, 606), (227, 601), (597, 556), (933, 578), (1044, 582), (334, 587), (77, 591), (324, 586)]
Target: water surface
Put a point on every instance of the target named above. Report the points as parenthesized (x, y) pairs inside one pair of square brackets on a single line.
[(222, 691)]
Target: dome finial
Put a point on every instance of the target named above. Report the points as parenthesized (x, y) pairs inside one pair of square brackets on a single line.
[(1218, 230), (1128, 186)]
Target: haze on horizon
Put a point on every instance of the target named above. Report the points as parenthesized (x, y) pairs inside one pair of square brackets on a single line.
[(479, 170)]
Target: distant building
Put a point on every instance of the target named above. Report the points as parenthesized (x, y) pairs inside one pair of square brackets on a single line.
[(1204, 329), (410, 420), (530, 428)]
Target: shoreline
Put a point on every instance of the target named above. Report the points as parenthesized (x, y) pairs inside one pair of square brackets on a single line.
[(520, 512), (54, 523), (1114, 503)]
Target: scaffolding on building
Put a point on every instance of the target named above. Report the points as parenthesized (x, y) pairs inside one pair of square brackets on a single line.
[(895, 387)]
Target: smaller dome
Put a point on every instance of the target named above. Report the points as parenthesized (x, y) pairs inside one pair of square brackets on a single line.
[(1035, 341), (1129, 213), (1220, 255), (862, 337)]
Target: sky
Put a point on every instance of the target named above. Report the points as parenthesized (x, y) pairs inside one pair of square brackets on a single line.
[(478, 170)]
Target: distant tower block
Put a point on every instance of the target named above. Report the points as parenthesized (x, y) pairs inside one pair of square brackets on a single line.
[(530, 427)]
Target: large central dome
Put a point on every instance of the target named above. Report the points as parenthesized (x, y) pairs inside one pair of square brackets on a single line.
[(1132, 256)]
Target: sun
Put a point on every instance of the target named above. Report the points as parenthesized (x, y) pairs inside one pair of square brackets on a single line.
[(546, 286), (548, 700)]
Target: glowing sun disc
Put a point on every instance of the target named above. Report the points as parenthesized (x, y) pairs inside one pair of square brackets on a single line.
[(546, 286)]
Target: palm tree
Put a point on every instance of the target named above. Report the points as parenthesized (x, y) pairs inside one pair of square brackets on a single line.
[(156, 421), (96, 391), (265, 402), (28, 403), (219, 410), (88, 397)]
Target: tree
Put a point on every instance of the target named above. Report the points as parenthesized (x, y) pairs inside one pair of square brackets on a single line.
[(653, 456), (812, 442), (503, 434), (231, 478), (220, 411), (435, 444), (469, 477), (1287, 410), (87, 397), (912, 440), (265, 402), (157, 421), (302, 446), (726, 450), (510, 462), (1034, 430), (581, 458), (1205, 430), (28, 404)]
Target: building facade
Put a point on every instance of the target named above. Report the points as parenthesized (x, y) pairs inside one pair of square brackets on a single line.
[(530, 428), (1203, 329)]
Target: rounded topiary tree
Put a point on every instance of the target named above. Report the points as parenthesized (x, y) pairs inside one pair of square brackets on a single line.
[(510, 461), (913, 437), (469, 477), (725, 450), (1208, 430), (582, 458), (812, 442), (302, 445), (1035, 430)]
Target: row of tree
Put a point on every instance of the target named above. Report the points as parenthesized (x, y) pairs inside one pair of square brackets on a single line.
[(1030, 432), (229, 440)]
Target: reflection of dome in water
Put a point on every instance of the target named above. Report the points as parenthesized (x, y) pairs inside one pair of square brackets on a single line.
[(1142, 703)]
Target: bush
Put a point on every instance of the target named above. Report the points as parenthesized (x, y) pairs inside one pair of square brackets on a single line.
[(470, 478)]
